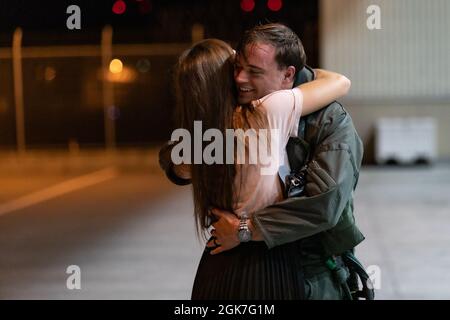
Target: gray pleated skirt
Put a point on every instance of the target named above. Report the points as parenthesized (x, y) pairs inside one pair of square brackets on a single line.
[(251, 271)]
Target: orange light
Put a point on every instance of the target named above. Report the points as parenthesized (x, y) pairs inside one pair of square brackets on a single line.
[(116, 66)]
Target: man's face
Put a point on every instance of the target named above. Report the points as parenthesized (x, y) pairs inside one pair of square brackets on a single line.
[(257, 73)]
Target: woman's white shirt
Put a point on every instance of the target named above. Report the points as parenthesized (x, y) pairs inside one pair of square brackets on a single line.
[(257, 185)]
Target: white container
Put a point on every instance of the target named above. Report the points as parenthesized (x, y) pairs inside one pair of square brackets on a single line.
[(405, 140)]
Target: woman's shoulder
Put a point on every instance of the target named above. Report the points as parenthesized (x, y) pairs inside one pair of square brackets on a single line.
[(272, 95), (280, 98)]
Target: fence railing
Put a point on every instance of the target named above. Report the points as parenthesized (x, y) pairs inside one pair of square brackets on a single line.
[(105, 50)]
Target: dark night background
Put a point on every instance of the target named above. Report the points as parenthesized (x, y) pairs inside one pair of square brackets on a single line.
[(70, 108)]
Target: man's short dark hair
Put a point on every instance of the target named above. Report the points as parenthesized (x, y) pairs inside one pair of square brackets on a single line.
[(289, 48)]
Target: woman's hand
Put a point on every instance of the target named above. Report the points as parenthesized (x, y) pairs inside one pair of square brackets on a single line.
[(225, 232)]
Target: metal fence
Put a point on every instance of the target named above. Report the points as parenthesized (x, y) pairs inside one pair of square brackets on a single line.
[(100, 95)]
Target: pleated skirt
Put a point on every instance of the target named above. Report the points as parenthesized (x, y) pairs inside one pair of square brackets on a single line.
[(250, 271)]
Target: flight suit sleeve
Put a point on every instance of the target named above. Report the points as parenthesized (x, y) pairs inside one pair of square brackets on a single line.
[(166, 164)]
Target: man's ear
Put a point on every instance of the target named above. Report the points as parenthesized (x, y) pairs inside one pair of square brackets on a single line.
[(289, 74)]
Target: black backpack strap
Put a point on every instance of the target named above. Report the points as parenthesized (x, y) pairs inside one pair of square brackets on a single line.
[(298, 151), (356, 268), (301, 128)]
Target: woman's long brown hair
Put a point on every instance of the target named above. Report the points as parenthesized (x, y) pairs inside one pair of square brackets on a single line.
[(206, 92)]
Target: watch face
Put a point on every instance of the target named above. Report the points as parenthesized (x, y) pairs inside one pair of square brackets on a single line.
[(245, 235)]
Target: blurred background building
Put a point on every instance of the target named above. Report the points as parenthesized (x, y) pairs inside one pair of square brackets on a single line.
[(398, 71), (62, 69), (67, 96)]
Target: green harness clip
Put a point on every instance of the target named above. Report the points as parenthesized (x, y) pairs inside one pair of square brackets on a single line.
[(331, 264)]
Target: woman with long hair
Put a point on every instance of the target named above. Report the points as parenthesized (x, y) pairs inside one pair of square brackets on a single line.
[(206, 92)]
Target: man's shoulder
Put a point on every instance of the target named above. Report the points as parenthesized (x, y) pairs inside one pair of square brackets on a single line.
[(331, 113)]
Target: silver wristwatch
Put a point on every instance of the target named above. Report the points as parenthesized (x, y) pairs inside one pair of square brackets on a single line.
[(244, 233)]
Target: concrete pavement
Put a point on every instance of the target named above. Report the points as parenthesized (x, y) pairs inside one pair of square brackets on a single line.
[(133, 234)]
